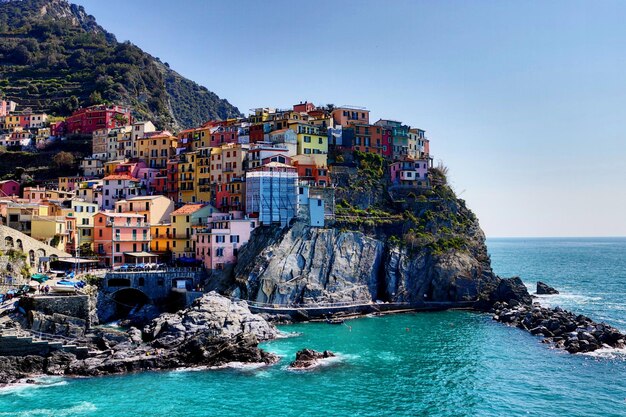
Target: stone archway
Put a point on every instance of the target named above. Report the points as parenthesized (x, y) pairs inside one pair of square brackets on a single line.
[(8, 242), (20, 245), (41, 253), (128, 300), (31, 258)]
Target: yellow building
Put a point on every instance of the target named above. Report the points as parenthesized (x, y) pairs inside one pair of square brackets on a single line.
[(183, 221), (84, 212), (157, 148), (58, 231), (110, 166), (312, 140), (187, 177), (162, 240), (202, 183)]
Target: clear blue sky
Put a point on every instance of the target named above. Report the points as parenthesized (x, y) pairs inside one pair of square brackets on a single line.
[(525, 102)]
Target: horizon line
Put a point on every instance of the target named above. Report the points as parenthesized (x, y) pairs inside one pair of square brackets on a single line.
[(556, 237)]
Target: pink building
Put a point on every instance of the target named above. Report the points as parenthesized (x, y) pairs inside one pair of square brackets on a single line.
[(121, 238), (410, 172), (9, 188), (346, 116), (35, 194), (218, 243), (148, 178), (7, 107)]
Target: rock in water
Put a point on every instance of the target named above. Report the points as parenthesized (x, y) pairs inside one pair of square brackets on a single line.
[(511, 290), (545, 289), (307, 358)]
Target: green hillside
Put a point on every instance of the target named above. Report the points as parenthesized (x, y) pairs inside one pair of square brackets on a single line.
[(54, 57)]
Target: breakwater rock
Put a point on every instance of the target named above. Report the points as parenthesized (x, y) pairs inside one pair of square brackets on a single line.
[(545, 289), (561, 328), (212, 332), (308, 358)]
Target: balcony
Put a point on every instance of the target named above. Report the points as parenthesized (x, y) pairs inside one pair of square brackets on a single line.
[(131, 239)]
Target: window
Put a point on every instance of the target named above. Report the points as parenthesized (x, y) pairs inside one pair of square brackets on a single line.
[(220, 239), (234, 239), (100, 233), (219, 252), (307, 139), (307, 151), (319, 202)]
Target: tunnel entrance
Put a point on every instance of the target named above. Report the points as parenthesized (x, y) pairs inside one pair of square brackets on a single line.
[(128, 301)]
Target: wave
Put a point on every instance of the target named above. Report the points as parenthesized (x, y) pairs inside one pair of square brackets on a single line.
[(24, 389), (567, 299), (607, 353), (84, 407), (286, 335), (242, 366)]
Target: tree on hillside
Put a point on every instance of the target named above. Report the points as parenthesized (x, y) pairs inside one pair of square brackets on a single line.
[(120, 120), (95, 98), (63, 160)]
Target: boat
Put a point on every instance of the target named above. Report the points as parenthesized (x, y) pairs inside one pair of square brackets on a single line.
[(40, 278), (334, 321), (63, 286)]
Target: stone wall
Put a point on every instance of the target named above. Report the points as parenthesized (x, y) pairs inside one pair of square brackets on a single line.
[(69, 305)]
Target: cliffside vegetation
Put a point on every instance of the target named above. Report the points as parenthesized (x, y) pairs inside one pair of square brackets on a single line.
[(413, 218), (56, 58)]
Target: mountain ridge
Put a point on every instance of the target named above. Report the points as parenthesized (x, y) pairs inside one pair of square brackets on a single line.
[(56, 57)]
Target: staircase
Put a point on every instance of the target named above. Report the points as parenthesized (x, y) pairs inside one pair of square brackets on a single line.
[(21, 343)]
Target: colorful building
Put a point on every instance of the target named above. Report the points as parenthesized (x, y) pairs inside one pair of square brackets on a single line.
[(345, 116), (310, 171), (408, 171), (87, 120), (184, 220), (228, 176), (84, 213), (119, 187), (9, 188), (120, 237), (157, 148), (311, 140), (218, 242), (154, 208)]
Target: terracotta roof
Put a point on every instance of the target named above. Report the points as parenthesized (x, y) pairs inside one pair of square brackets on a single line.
[(188, 209)]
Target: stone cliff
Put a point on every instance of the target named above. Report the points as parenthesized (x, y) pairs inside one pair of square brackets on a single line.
[(415, 245)]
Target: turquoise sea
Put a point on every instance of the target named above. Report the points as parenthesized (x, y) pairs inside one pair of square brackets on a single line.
[(429, 364)]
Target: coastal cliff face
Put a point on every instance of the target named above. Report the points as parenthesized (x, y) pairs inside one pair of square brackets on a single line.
[(426, 247)]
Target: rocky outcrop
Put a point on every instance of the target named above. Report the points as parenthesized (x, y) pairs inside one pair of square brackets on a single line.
[(545, 289), (313, 265), (211, 315), (308, 358), (327, 265), (509, 290), (212, 332), (561, 328)]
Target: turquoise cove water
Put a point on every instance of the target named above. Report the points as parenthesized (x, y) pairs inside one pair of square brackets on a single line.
[(429, 364)]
